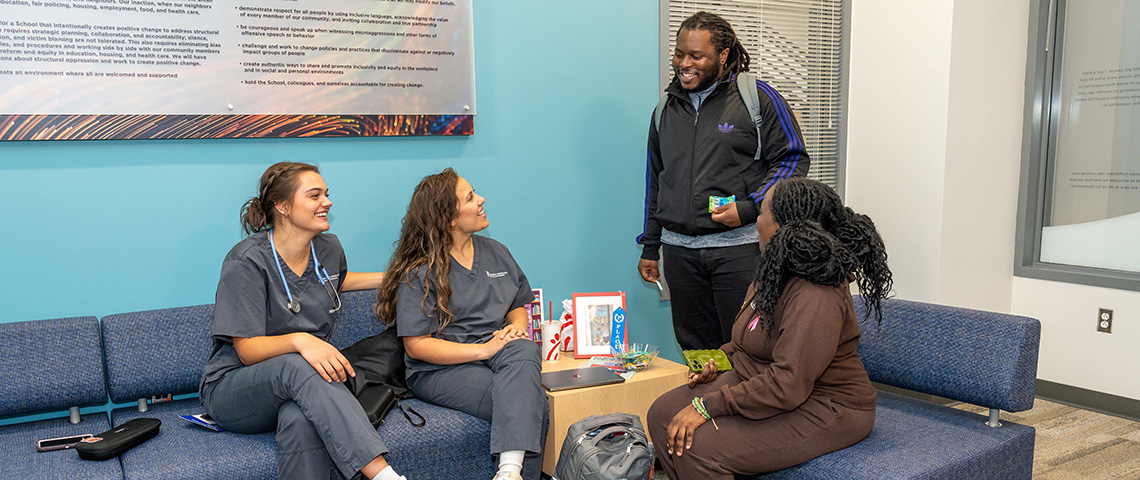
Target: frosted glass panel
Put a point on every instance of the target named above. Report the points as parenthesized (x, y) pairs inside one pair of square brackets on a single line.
[(1095, 174)]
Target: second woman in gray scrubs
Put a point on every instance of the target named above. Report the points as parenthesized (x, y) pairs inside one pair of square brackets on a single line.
[(457, 299)]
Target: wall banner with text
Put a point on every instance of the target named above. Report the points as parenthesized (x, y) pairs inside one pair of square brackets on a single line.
[(149, 69)]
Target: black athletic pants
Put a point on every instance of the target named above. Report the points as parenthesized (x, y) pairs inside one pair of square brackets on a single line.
[(707, 286)]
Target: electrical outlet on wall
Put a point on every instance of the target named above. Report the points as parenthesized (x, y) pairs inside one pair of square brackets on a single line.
[(1104, 320)]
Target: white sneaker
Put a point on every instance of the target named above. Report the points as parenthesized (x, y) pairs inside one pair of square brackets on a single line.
[(507, 476)]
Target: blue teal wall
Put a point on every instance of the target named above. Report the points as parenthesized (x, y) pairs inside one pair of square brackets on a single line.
[(564, 94)]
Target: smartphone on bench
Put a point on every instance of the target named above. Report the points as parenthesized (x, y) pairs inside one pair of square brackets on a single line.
[(60, 443)]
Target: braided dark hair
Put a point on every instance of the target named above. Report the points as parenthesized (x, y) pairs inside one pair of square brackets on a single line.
[(277, 184), (722, 37), (821, 241)]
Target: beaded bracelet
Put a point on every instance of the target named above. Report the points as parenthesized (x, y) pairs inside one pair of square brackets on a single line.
[(699, 405)]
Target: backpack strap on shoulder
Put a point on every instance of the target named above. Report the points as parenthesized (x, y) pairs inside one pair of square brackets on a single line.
[(746, 84), (659, 111)]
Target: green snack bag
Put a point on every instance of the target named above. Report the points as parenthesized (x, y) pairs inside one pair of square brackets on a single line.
[(715, 201)]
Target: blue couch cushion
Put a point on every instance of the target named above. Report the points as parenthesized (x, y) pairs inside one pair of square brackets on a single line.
[(19, 458), (982, 358), (452, 446), (917, 439), (50, 365), (355, 320), (186, 451), (156, 352), (164, 351)]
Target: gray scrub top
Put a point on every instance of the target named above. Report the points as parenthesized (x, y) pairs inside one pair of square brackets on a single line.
[(480, 299), (251, 301)]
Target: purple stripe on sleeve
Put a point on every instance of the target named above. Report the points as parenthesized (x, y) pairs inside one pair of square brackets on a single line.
[(648, 172), (786, 169)]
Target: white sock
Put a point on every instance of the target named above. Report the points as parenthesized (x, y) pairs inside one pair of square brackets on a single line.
[(511, 461), (387, 474)]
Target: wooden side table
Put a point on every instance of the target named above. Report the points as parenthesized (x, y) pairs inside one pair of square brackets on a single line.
[(632, 396)]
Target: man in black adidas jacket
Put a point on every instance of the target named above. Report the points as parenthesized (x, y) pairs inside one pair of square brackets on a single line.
[(706, 146)]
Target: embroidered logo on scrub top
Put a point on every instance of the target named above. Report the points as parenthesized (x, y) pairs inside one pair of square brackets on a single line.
[(334, 276), (495, 275)]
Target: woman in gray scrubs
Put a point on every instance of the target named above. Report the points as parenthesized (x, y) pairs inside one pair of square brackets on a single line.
[(271, 366), (457, 299)]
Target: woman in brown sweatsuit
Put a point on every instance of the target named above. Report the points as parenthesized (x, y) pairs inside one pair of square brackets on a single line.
[(797, 389)]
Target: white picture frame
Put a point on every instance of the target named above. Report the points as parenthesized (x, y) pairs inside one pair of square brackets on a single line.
[(593, 322)]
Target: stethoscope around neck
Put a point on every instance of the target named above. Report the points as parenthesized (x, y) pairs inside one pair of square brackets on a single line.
[(293, 305)]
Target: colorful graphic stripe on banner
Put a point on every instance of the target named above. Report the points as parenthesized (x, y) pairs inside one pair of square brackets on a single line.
[(150, 127)]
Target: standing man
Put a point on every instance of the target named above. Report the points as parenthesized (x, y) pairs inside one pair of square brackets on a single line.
[(710, 253)]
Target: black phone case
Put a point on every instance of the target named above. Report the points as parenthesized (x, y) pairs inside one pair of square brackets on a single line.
[(116, 441)]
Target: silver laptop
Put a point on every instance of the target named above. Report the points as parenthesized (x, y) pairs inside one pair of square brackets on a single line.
[(579, 378)]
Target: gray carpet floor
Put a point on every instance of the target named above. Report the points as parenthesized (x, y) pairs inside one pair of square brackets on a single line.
[(1078, 444)]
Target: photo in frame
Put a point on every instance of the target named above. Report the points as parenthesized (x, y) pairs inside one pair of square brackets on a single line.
[(594, 322)]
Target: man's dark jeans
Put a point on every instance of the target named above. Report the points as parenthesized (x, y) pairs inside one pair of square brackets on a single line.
[(707, 287)]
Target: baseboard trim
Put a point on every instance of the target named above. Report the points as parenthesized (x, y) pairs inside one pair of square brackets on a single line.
[(1100, 402)]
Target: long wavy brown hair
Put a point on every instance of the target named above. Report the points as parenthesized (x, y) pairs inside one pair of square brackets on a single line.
[(425, 240)]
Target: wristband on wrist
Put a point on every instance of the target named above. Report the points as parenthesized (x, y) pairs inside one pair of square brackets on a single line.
[(699, 405)]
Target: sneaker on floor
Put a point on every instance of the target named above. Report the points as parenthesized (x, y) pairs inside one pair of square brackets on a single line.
[(507, 476)]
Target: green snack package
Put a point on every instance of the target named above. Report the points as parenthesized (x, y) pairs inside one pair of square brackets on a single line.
[(718, 201)]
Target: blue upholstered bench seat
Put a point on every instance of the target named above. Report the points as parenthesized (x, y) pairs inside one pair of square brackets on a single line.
[(453, 445), (50, 366), (162, 352), (917, 439), (183, 451), (982, 358), (19, 458)]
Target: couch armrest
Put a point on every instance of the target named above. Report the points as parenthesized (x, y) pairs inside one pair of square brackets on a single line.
[(983, 358)]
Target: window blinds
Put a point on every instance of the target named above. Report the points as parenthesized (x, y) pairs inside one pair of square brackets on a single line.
[(795, 46)]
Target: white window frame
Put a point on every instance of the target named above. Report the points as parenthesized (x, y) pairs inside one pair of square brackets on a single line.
[(1042, 99)]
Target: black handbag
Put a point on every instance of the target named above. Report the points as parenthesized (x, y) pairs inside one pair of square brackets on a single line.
[(377, 401), (379, 384)]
